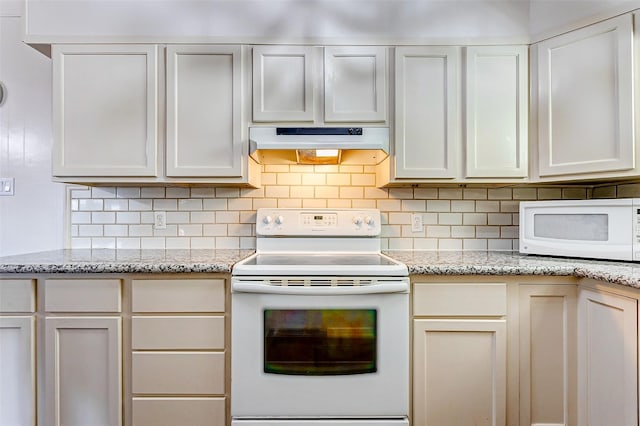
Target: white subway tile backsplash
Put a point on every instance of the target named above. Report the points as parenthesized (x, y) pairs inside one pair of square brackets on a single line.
[(167, 204), (90, 204), (103, 217), (174, 192), (116, 205), (128, 192), (132, 218), (454, 218)]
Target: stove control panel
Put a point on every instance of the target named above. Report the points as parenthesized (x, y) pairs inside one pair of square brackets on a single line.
[(323, 222)]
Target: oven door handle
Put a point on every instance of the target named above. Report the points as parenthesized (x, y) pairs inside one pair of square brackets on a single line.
[(252, 287)]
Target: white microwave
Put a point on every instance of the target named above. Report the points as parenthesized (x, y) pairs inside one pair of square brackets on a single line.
[(600, 229)]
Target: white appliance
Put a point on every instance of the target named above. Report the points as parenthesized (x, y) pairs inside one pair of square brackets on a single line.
[(601, 228), (319, 324), (319, 145)]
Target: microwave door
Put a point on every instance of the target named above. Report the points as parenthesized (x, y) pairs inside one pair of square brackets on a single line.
[(603, 232)]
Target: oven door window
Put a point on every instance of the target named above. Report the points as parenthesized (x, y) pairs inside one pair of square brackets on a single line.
[(320, 342)]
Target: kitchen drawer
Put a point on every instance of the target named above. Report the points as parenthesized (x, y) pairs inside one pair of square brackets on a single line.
[(82, 295), (17, 296), (169, 333), (178, 373), (469, 299), (178, 295), (178, 411)]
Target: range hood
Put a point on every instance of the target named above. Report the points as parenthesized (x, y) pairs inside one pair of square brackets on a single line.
[(319, 145)]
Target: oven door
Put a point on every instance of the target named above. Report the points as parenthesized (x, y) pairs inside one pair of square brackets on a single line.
[(327, 354)]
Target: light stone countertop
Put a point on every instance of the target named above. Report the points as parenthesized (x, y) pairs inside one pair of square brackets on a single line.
[(123, 261), (513, 263), (222, 261)]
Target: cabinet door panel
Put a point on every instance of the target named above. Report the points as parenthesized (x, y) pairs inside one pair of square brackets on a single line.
[(192, 373), (178, 411), (105, 110), (282, 83), (17, 296), (17, 371), (459, 361), (547, 354), (83, 376), (497, 111), (177, 332), (206, 295), (607, 359), (586, 100), (427, 116), (355, 84), (203, 111)]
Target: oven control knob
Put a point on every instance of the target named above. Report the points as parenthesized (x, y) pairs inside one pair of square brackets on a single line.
[(357, 220), (279, 220), (369, 221), (267, 220)]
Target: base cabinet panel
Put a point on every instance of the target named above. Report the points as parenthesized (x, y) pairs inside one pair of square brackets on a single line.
[(17, 371), (607, 359), (459, 372), (83, 377), (178, 411), (547, 362)]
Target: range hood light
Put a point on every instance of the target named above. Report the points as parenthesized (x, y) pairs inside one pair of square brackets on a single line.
[(319, 145), (318, 156)]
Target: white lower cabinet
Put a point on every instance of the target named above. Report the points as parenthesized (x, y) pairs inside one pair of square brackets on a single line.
[(178, 360), (459, 354), (82, 352), (607, 359), (545, 365), (17, 353), (83, 379)]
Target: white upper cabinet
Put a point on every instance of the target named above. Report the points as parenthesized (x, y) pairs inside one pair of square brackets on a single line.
[(432, 142), (105, 110), (204, 106), (427, 111), (318, 85), (585, 101), (282, 83), (109, 114), (355, 84), (497, 116)]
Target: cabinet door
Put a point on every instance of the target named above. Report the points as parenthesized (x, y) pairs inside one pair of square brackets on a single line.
[(204, 101), (105, 110), (607, 359), (283, 83), (83, 371), (459, 372), (427, 114), (355, 84), (585, 91), (17, 371), (497, 111), (547, 339)]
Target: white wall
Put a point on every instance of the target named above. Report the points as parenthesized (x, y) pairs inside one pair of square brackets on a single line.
[(343, 21), (552, 17), (32, 219)]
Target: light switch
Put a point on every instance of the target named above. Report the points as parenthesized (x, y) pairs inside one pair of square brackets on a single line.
[(6, 186)]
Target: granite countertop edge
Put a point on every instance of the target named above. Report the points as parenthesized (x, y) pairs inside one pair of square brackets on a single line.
[(85, 261)]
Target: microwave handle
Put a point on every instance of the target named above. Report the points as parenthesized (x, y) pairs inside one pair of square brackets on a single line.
[(253, 287)]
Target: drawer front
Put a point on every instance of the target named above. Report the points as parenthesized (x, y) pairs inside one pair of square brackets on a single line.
[(444, 299), (184, 333), (178, 295), (17, 296), (181, 373), (82, 295), (179, 411)]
